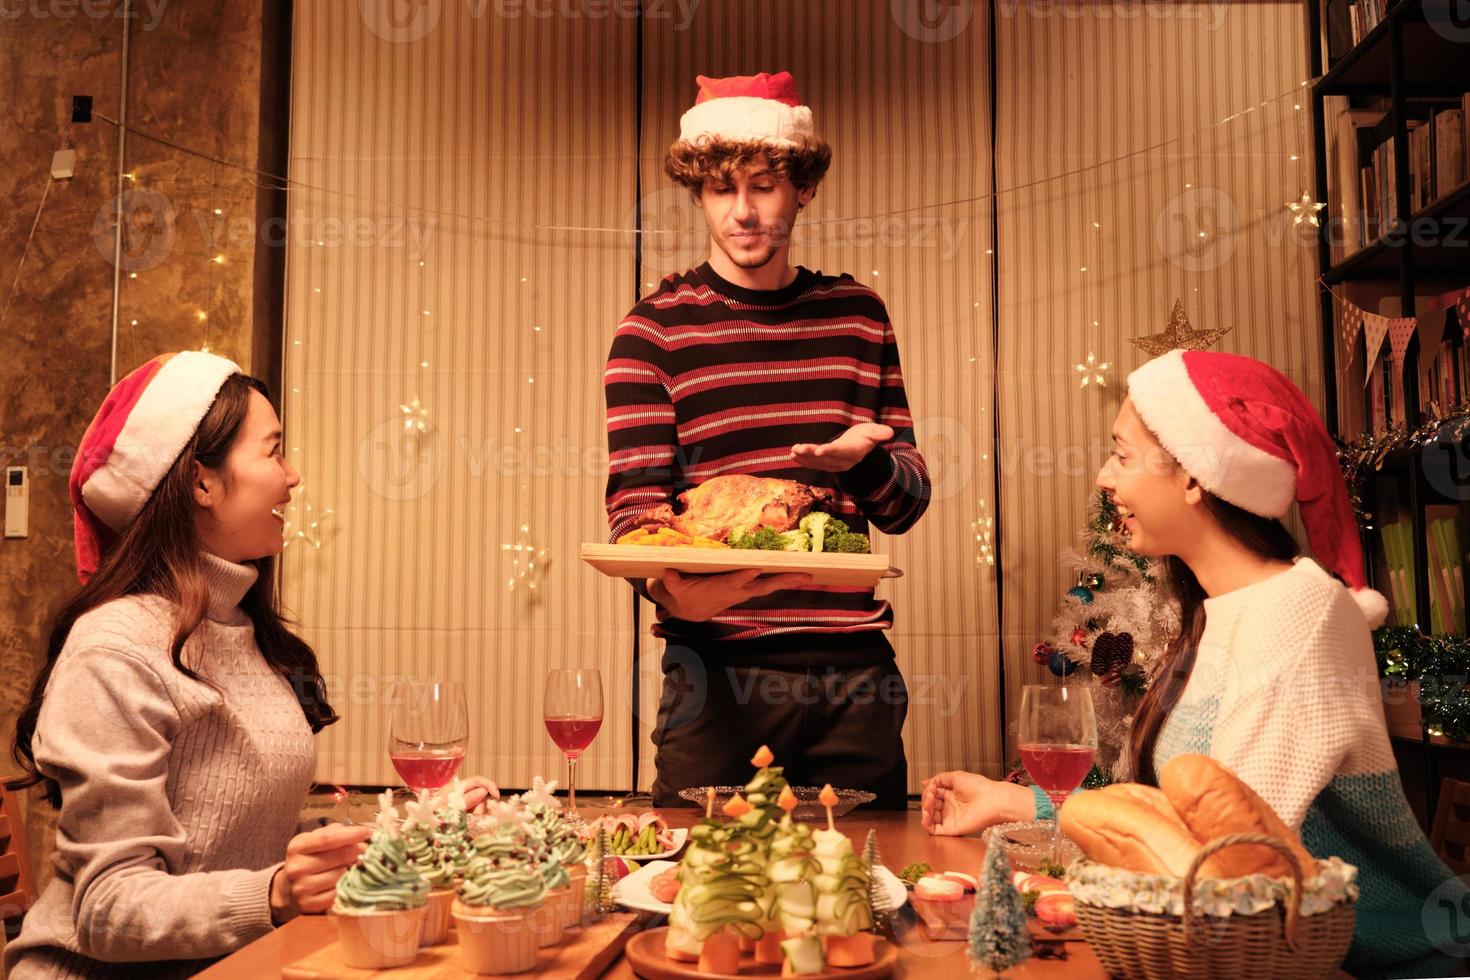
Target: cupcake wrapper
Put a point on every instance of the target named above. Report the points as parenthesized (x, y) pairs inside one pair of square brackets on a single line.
[(497, 942), (377, 940), (436, 918)]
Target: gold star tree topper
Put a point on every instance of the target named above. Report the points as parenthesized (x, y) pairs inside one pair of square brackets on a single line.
[(1179, 335)]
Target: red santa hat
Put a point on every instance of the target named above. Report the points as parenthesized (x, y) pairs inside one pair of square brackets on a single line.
[(1249, 436), (760, 108), (145, 421)]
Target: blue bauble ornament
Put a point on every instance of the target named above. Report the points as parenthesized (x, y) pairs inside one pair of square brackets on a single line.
[(1060, 664), (1082, 594)]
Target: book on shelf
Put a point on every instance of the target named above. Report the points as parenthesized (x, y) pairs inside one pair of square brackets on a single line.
[(1398, 553), (1446, 577), (1364, 15), (1437, 156), (1353, 197)]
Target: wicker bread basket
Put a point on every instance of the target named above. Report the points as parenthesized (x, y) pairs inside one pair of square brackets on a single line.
[(1275, 942)]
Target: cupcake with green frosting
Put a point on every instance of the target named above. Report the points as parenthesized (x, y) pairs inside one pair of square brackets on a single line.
[(381, 901), (420, 835), (502, 913), (527, 845)]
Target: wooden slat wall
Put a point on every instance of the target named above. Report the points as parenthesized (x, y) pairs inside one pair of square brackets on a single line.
[(1099, 83), (466, 116)]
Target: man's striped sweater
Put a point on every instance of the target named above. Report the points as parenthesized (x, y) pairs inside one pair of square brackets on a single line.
[(707, 378)]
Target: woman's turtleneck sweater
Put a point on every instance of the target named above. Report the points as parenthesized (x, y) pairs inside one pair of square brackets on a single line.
[(178, 798)]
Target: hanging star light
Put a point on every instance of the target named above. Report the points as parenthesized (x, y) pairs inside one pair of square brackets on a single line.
[(415, 416), (1179, 335), (309, 527), (1092, 372), (528, 562), (1305, 209)]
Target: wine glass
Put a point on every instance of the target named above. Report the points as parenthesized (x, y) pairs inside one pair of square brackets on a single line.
[(1058, 735), (573, 713), (428, 733)]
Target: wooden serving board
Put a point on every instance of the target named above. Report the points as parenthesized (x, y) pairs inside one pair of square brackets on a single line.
[(645, 955), (585, 953), (647, 561)]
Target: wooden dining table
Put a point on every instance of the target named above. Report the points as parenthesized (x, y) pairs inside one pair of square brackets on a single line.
[(902, 840)]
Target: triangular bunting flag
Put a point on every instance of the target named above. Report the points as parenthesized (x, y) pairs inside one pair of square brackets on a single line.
[(1375, 328)]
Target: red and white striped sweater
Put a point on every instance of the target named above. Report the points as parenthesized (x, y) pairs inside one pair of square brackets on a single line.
[(707, 378)]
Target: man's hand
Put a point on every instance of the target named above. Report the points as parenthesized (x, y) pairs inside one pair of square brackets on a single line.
[(958, 803), (696, 598), (844, 452), (307, 882)]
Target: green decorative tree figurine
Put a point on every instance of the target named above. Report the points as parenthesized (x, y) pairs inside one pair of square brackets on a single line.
[(999, 938)]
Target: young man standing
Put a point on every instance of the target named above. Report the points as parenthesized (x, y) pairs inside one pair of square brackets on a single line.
[(748, 364)]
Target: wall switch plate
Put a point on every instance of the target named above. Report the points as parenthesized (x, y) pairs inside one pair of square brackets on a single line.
[(17, 502)]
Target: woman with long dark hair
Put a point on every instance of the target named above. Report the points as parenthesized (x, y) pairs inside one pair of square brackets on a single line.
[(1272, 672), (172, 720)]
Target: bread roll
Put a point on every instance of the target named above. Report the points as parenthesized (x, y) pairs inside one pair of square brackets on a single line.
[(1213, 802), (1148, 796), (1118, 832)]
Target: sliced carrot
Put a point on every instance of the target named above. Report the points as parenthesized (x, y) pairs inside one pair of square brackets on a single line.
[(721, 954), (854, 950), (680, 955), (828, 796), (736, 807), (768, 948), (763, 757), (787, 800)]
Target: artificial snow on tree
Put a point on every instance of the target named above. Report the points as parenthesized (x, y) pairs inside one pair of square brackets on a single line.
[(1110, 629), (999, 938)]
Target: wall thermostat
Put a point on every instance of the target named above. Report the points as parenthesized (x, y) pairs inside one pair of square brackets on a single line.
[(17, 502)]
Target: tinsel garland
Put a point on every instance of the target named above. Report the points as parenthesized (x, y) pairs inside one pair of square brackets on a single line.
[(1441, 665), (1365, 457)]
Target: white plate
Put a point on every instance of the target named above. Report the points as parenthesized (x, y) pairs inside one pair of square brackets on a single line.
[(633, 892), (679, 835)]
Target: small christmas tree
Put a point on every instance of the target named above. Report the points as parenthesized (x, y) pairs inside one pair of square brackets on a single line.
[(999, 938), (1111, 627), (877, 900), (598, 897)]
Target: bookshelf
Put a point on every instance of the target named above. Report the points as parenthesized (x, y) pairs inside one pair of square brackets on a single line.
[(1392, 78)]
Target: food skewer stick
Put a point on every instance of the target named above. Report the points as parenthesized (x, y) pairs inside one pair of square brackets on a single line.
[(709, 803), (828, 799)]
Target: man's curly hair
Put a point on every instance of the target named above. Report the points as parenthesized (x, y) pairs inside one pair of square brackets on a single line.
[(690, 164)]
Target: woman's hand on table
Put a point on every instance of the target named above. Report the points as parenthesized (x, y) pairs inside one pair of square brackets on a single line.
[(477, 790), (307, 881), (957, 803)]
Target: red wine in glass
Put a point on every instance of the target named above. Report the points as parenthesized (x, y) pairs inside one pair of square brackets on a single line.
[(428, 733), (1058, 768), (1058, 737), (573, 734), (572, 709), (427, 768)]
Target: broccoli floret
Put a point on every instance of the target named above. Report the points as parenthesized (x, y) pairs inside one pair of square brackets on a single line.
[(815, 524), (848, 543), (797, 540), (758, 538), (837, 526)]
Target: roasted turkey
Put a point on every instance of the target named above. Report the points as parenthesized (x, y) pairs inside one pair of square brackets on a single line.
[(723, 503)]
